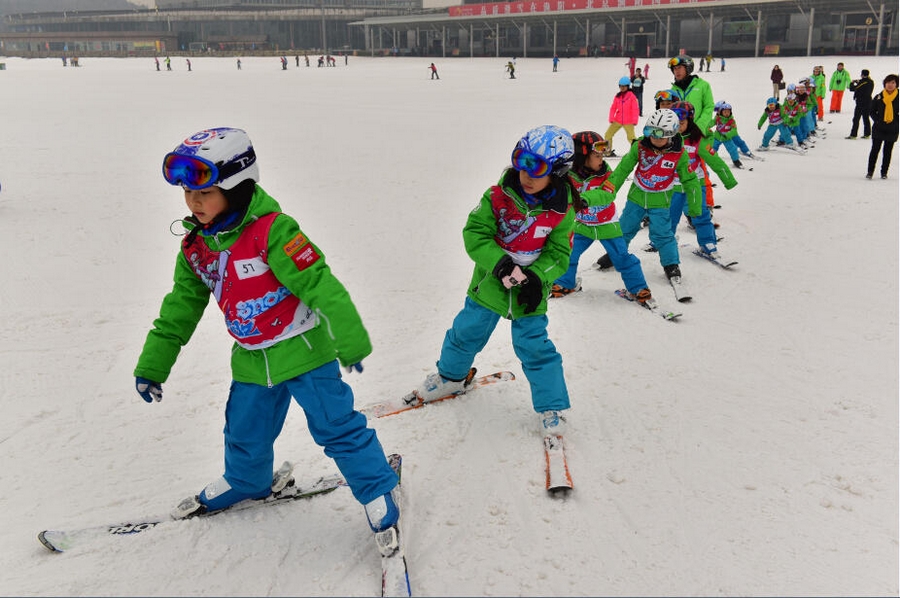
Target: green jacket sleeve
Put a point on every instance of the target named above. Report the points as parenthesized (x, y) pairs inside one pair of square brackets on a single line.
[(626, 165), (717, 164), (314, 283), (179, 314), (704, 115), (690, 184)]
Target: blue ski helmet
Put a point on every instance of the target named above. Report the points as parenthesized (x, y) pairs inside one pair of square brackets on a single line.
[(552, 144), (625, 81)]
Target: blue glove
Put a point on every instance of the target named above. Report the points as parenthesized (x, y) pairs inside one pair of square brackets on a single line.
[(148, 389), (356, 366)]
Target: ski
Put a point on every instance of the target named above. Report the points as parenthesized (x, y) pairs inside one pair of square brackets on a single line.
[(681, 292), (394, 572), (719, 260), (559, 480), (62, 540), (651, 305), (412, 401), (753, 156)]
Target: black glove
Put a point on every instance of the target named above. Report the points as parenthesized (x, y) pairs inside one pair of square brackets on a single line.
[(504, 267), (531, 292), (509, 273)]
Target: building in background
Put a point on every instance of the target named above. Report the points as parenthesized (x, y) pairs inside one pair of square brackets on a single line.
[(640, 28)]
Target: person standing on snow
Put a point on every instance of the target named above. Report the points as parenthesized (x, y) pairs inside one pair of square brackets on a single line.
[(840, 79), (623, 113), (693, 89), (293, 323), (862, 89), (885, 118), (519, 238), (658, 161), (434, 73), (637, 88)]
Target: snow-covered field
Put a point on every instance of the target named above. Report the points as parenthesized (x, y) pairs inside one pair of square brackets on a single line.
[(751, 448)]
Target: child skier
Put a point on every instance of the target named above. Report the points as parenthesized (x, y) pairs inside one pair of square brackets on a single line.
[(292, 322), (599, 221), (726, 133), (623, 113), (657, 159), (699, 151), (519, 238), (774, 114)]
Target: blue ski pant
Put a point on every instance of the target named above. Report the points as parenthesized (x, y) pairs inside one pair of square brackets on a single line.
[(254, 417), (541, 362), (625, 263), (732, 146), (661, 235), (703, 225), (783, 131)]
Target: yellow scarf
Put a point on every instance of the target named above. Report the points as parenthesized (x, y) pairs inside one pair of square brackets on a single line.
[(888, 105)]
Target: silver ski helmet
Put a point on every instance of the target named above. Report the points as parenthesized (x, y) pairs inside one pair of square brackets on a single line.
[(221, 156)]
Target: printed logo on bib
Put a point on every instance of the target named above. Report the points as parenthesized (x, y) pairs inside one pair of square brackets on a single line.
[(249, 268), (542, 231)]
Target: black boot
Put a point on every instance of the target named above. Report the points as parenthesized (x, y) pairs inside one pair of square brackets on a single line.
[(672, 271), (605, 262)]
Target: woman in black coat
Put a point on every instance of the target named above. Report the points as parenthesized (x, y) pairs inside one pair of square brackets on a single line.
[(885, 118), (777, 80)]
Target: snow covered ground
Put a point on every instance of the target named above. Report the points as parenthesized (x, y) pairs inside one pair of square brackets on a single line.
[(751, 448)]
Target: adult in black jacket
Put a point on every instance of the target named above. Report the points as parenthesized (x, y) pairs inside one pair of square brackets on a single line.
[(862, 89), (885, 116)]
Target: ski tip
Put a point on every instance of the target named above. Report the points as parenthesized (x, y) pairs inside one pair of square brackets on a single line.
[(45, 541)]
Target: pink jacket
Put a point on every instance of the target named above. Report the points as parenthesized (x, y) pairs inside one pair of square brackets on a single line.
[(624, 109)]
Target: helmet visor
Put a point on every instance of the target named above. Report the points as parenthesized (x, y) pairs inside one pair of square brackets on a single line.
[(188, 171), (534, 165), (657, 132)]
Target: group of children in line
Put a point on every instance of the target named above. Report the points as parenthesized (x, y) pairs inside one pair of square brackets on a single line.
[(525, 237)]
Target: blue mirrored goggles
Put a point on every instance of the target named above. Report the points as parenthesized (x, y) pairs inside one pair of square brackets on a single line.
[(196, 173), (656, 132), (534, 165)]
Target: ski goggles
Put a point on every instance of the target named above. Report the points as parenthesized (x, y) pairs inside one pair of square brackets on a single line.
[(600, 146), (655, 132), (534, 165), (664, 96), (196, 173)]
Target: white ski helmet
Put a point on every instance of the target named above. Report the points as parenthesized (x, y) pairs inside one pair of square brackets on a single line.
[(228, 150), (662, 123)]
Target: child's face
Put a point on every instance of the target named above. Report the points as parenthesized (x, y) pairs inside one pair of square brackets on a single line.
[(532, 185), (663, 104), (659, 142), (205, 204), (682, 125), (594, 161), (726, 112)]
